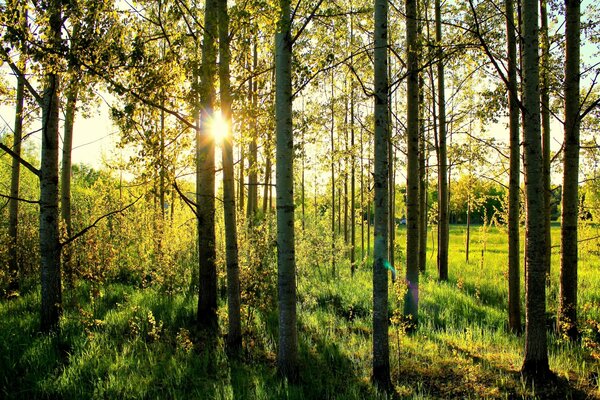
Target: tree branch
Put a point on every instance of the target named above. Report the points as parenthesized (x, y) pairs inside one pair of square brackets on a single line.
[(193, 206), (19, 199), (27, 165), (84, 230)]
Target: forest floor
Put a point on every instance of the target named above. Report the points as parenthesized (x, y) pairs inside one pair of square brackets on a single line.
[(119, 341)]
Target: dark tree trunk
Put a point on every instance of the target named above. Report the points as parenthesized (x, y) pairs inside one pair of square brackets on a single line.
[(411, 300), (443, 192), (287, 356), (514, 186), (381, 358), (13, 203), (65, 175), (570, 194), (205, 182), (234, 333), (535, 363), (545, 113), (51, 296)]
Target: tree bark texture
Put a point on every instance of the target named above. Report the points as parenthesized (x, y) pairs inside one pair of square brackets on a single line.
[(13, 203), (205, 175), (381, 358), (570, 195), (535, 363), (51, 285), (287, 356), (234, 333), (443, 223), (514, 185), (65, 173), (545, 114), (411, 300)]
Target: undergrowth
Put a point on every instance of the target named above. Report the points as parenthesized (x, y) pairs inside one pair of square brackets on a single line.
[(123, 341)]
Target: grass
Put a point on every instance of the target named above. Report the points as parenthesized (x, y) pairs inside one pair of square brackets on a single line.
[(118, 341)]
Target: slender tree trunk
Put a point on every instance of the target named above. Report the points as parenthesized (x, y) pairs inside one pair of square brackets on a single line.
[(205, 182), (422, 185), (570, 195), (287, 357), (253, 150), (352, 184), (51, 295), (331, 137), (234, 333), (535, 363), (468, 239), (443, 194), (411, 299), (13, 203), (266, 188), (381, 356), (545, 113), (514, 188), (65, 175)]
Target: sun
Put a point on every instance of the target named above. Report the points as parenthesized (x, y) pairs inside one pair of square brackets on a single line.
[(219, 127)]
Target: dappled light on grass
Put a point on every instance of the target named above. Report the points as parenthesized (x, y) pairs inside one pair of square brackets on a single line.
[(124, 341)]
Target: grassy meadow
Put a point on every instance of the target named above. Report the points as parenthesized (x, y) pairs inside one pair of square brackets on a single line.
[(118, 341)]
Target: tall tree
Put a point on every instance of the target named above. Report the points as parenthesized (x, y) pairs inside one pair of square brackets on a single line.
[(72, 92), (535, 363), (570, 192), (411, 299), (13, 203), (49, 233), (205, 174), (234, 334), (443, 226), (514, 189), (381, 356), (545, 114), (287, 356)]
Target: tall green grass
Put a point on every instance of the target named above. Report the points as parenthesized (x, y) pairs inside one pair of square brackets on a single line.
[(118, 341)]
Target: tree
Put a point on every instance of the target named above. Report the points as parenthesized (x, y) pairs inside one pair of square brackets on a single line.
[(13, 202), (535, 363), (381, 362), (205, 174), (234, 334), (545, 115), (514, 189), (51, 281), (443, 227), (411, 300), (570, 192), (287, 356)]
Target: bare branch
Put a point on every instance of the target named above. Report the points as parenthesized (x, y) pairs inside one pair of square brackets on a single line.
[(19, 199), (27, 165), (84, 230)]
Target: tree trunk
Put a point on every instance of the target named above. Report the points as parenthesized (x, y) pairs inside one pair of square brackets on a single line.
[(535, 363), (287, 357), (411, 300), (381, 356), (514, 186), (234, 333), (51, 293), (443, 194), (253, 151), (65, 174), (570, 194), (331, 137), (545, 113), (205, 181), (13, 203)]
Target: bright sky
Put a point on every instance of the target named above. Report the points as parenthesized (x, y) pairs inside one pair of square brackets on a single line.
[(95, 137)]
